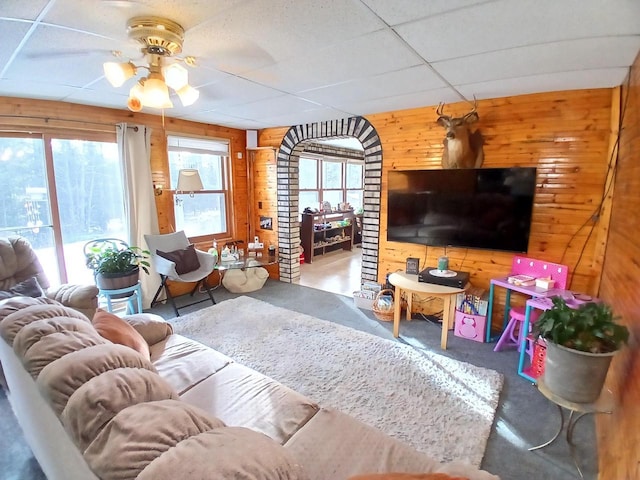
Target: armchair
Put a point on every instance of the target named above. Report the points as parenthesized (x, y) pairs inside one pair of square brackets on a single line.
[(19, 266), (175, 259)]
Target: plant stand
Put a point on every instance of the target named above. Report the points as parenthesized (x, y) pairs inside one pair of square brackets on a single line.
[(604, 404), (131, 294)]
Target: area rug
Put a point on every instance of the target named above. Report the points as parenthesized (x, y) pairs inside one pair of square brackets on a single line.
[(440, 406)]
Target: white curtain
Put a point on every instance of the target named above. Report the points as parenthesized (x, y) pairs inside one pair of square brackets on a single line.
[(134, 146)]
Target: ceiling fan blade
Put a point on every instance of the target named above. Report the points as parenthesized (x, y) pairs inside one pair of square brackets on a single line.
[(69, 53), (233, 57)]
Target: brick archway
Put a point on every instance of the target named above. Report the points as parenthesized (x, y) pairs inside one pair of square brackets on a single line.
[(288, 190)]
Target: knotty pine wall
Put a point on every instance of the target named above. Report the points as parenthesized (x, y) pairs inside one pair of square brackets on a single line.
[(566, 135), (27, 115), (619, 434)]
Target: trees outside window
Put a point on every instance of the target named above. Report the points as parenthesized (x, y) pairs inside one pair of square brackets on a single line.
[(204, 213), (59, 192)]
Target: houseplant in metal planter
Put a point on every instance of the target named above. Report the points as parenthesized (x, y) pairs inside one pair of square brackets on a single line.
[(117, 267), (581, 341)]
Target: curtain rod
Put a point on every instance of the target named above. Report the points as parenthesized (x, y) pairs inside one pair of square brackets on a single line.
[(134, 128), (49, 119)]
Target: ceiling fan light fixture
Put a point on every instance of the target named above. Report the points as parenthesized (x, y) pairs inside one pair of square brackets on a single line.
[(188, 95), (176, 76), (118, 73), (155, 93), (134, 103)]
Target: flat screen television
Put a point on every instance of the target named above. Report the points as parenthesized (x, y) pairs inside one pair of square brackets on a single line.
[(484, 208)]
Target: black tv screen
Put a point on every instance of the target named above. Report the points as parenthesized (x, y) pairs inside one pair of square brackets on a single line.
[(485, 208)]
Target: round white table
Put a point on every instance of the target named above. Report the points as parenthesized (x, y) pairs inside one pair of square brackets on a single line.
[(405, 282)]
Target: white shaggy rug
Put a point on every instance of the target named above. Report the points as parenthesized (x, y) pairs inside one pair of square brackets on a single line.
[(441, 406)]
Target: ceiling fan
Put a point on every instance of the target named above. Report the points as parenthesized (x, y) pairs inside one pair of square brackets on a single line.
[(161, 41)]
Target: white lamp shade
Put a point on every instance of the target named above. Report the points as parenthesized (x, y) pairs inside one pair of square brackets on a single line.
[(176, 76), (156, 93), (188, 95), (118, 73), (189, 180)]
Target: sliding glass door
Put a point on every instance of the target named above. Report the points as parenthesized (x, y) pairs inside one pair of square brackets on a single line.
[(60, 192)]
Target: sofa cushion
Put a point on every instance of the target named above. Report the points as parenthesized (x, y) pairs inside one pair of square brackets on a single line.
[(36, 309), (407, 476), (27, 288), (61, 378), (186, 259), (153, 328), (184, 362), (116, 330), (240, 396), (13, 304), (140, 433), (32, 333), (226, 453), (101, 398), (55, 346), (370, 451)]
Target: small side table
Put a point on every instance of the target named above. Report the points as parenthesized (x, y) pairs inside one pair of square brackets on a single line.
[(405, 282), (604, 404), (131, 294)]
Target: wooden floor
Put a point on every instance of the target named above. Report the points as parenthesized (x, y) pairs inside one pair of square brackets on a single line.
[(336, 272)]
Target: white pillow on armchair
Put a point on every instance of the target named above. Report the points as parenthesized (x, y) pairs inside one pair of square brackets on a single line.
[(243, 281)]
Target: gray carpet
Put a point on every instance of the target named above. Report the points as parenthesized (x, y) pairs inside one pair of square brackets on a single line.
[(523, 419)]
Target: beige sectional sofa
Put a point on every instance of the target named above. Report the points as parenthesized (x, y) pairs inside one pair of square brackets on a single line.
[(92, 409)]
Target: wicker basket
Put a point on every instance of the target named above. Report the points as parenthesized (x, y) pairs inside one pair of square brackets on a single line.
[(381, 314)]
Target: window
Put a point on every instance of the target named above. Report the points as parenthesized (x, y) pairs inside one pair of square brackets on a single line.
[(60, 192), (206, 212), (330, 180)]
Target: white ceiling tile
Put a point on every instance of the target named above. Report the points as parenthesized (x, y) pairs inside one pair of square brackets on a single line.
[(12, 34), (584, 54), (408, 80), (401, 11), (287, 28), (286, 61), (310, 116), (233, 91), (22, 10), (271, 107), (400, 102), (371, 54), (605, 78), (41, 89), (508, 24)]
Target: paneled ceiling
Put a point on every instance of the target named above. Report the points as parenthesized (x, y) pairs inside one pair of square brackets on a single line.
[(266, 63)]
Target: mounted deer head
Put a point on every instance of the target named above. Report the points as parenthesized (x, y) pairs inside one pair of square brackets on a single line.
[(462, 149)]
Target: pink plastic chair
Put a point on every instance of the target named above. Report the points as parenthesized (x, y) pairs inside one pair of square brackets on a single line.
[(512, 334)]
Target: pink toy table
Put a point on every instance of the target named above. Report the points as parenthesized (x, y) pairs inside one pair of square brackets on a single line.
[(573, 299), (534, 268)]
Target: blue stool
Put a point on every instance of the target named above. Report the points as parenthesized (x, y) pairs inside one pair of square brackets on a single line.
[(134, 294)]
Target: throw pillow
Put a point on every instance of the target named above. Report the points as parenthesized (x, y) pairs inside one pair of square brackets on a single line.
[(186, 259), (116, 330), (28, 288)]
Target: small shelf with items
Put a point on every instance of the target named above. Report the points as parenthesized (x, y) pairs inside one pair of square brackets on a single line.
[(323, 232)]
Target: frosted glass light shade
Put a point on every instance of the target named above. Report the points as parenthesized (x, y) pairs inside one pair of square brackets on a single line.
[(189, 180), (176, 76), (155, 93), (118, 73), (188, 95)]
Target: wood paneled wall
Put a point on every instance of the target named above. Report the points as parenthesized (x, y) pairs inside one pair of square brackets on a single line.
[(39, 115), (619, 434), (566, 135)]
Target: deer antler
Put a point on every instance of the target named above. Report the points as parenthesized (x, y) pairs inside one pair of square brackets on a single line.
[(440, 110), (475, 107)]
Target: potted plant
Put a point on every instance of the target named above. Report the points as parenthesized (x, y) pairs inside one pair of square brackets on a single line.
[(581, 341), (117, 267)]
